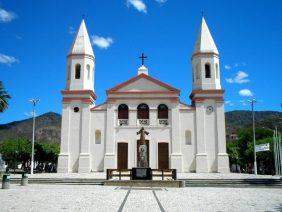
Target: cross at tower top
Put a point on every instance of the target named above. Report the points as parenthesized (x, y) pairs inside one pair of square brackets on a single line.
[(142, 57)]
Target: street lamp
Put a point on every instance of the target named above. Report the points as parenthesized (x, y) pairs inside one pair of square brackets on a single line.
[(34, 102), (252, 101)]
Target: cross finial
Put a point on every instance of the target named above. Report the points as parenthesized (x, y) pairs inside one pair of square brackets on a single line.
[(202, 13), (142, 57), (83, 16)]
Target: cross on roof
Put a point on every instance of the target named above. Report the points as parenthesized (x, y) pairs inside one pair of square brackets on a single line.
[(142, 57)]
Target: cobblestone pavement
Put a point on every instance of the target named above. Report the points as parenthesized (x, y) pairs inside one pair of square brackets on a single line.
[(101, 198)]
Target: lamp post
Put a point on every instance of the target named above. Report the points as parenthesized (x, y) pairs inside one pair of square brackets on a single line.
[(252, 101), (34, 102)]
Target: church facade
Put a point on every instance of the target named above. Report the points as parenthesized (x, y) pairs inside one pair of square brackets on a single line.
[(186, 137)]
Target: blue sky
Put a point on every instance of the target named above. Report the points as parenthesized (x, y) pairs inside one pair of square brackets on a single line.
[(36, 36)]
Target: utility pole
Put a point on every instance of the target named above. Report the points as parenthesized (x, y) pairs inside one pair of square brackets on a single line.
[(252, 101), (34, 102)]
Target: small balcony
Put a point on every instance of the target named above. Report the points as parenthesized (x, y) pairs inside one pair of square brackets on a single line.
[(163, 122), (122, 122), (143, 122)]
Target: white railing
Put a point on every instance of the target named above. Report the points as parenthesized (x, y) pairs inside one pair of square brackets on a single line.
[(122, 122), (163, 122), (143, 122)]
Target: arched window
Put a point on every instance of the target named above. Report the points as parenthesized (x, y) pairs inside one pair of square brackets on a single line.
[(143, 111), (123, 111), (69, 71), (198, 71), (208, 70), (77, 71), (97, 137), (88, 71), (162, 111), (188, 137), (216, 71)]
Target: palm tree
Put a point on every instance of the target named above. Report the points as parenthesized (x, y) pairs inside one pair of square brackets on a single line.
[(4, 96)]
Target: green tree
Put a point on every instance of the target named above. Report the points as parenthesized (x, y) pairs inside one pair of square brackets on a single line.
[(4, 96), (245, 148), (16, 151)]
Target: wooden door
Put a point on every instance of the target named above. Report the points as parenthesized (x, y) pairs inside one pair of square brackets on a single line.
[(163, 155), (122, 155), (148, 151)]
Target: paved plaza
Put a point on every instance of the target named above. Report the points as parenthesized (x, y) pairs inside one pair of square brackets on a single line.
[(37, 197)]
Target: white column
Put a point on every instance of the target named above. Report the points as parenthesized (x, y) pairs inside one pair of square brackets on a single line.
[(132, 117), (153, 117), (85, 157), (222, 157), (201, 156), (64, 156), (110, 155), (176, 154)]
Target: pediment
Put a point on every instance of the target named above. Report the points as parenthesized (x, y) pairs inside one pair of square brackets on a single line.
[(143, 83)]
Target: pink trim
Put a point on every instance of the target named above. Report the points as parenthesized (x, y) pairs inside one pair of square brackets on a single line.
[(170, 88), (83, 100), (84, 55), (75, 92)]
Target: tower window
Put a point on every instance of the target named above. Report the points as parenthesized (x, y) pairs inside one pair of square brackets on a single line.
[(77, 71), (216, 71), (88, 71), (143, 111), (208, 70), (198, 71)]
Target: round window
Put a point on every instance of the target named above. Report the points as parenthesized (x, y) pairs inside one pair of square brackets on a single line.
[(76, 109)]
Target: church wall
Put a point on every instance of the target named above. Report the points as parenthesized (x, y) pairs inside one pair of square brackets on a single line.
[(211, 136), (75, 128), (187, 120), (97, 150)]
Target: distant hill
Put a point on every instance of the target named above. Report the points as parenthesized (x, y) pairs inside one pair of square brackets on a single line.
[(241, 118), (48, 128), (48, 125)]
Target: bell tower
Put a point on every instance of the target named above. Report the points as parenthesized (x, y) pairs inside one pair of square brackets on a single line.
[(78, 98), (208, 99), (205, 61)]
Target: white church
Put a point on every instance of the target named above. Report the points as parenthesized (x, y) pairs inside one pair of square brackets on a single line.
[(186, 137)]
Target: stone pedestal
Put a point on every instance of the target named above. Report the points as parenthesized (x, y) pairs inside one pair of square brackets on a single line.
[(202, 163), (141, 174), (63, 163), (84, 163), (176, 162), (109, 161), (223, 163)]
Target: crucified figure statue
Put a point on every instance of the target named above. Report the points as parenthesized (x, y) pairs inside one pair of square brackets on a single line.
[(143, 163)]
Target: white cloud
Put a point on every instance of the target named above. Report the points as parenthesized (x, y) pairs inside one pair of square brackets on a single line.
[(5, 59), (245, 92), (240, 78), (102, 42), (138, 5), (161, 1), (229, 103), (72, 30), (227, 67), (6, 16)]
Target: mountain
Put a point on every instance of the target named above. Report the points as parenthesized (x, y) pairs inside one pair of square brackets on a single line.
[(48, 128), (241, 119), (48, 125)]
